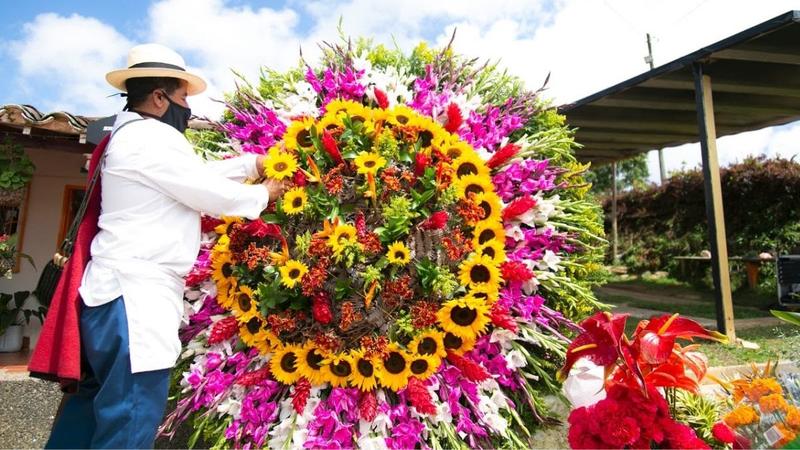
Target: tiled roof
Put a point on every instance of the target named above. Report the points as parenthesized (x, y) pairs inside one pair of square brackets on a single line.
[(27, 118)]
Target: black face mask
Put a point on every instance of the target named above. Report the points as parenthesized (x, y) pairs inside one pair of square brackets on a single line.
[(176, 116)]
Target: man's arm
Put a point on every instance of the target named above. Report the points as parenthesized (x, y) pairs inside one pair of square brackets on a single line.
[(239, 168)]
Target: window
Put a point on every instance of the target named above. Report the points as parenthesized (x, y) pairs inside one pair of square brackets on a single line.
[(12, 221), (73, 196)]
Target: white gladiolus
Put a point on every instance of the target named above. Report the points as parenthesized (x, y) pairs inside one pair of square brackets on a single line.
[(502, 337), (515, 359)]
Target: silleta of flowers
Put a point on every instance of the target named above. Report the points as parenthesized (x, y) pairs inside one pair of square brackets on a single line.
[(414, 284)]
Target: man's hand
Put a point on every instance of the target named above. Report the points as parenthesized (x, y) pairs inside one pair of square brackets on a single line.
[(274, 187), (260, 165)]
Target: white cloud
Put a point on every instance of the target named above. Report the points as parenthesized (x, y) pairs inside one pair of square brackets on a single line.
[(68, 57)]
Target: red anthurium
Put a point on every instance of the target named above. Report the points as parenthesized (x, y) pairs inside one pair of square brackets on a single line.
[(331, 148), (454, 118), (259, 229), (381, 99), (600, 341), (655, 338)]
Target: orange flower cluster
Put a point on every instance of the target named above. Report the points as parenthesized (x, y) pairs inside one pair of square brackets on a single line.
[(754, 389), (349, 316), (456, 245), (741, 415), (375, 346), (423, 314), (772, 402), (333, 181)]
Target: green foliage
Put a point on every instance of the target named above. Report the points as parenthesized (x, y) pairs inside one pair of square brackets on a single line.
[(761, 199), (632, 173), (16, 168), (398, 215), (11, 306), (699, 412)]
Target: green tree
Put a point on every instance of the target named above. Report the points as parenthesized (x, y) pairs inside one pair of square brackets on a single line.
[(632, 173)]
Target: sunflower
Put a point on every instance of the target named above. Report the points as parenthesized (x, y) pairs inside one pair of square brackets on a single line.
[(338, 369), (363, 376), (458, 345), (254, 335), (280, 165), (330, 122), (243, 304), (455, 148), (429, 343), (492, 206), (379, 116), (493, 249), (473, 184), (222, 245), (469, 163), (489, 294), (342, 235), (295, 200), (337, 107), (226, 293), (309, 363), (401, 115), (488, 231), (368, 162), (283, 364), (298, 135), (356, 111), (292, 272), (225, 227), (427, 130), (478, 270), (464, 317), (222, 266), (392, 369), (423, 366), (399, 254)]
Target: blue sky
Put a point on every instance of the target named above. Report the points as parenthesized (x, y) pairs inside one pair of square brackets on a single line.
[(54, 54)]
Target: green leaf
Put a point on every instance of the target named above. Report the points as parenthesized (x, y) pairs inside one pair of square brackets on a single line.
[(787, 316)]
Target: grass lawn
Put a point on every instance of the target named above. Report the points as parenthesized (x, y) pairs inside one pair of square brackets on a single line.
[(670, 287), (705, 310), (777, 343)]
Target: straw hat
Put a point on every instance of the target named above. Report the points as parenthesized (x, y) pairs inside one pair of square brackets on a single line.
[(155, 60)]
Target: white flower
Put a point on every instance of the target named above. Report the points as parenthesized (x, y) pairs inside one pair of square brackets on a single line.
[(515, 232), (549, 261), (515, 359), (502, 337), (367, 442), (496, 422), (230, 406), (361, 63)]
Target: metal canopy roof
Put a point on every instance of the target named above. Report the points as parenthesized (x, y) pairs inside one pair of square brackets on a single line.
[(755, 79)]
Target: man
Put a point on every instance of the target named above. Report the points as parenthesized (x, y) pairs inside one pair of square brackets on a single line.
[(153, 188)]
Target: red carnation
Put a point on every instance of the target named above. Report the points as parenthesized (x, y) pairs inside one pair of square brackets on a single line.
[(367, 406), (436, 221), (454, 118), (300, 395), (253, 378), (515, 271), (421, 162), (420, 397), (300, 178), (502, 155), (321, 308), (381, 99), (472, 370), (222, 330), (208, 223), (723, 433), (329, 144), (518, 207), (501, 318)]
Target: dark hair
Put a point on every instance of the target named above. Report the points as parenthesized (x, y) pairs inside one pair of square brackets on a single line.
[(139, 88)]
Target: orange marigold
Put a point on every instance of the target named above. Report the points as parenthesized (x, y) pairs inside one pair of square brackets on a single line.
[(787, 435), (772, 402), (742, 415), (793, 417), (758, 388)]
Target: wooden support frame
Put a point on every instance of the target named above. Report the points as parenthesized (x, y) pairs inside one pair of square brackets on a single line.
[(614, 248), (714, 208)]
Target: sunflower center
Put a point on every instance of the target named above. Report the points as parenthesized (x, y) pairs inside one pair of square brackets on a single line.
[(357, 118), (399, 255), (289, 362), (402, 120), (480, 274), (369, 164), (297, 202), (482, 295), (253, 325), (345, 236), (244, 302), (453, 152), (487, 209), (427, 346), (304, 138), (485, 236), (342, 369), (227, 269), (294, 273), (489, 251), (426, 137), (474, 189), (453, 342), (467, 169), (419, 366), (331, 127), (280, 166), (313, 359), (395, 363), (365, 368), (463, 316)]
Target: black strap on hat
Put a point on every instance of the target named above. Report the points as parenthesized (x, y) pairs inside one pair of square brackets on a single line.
[(156, 65)]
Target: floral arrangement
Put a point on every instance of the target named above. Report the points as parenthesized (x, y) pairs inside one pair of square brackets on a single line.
[(634, 412), (763, 407), (8, 254), (415, 285)]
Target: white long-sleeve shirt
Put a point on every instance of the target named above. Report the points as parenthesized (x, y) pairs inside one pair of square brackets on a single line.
[(153, 187)]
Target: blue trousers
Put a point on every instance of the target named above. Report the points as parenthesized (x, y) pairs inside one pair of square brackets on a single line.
[(113, 407)]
